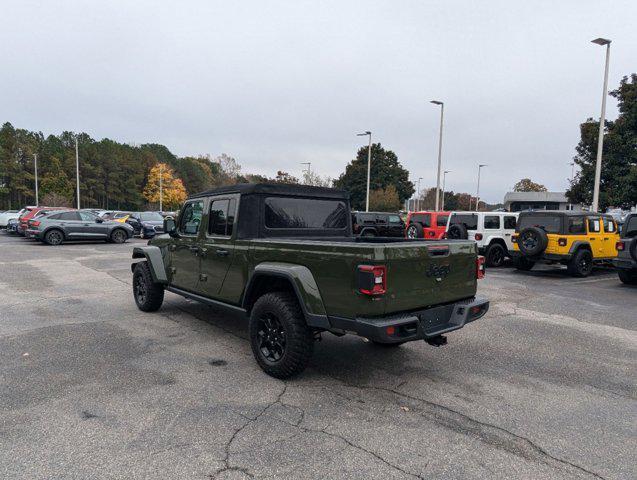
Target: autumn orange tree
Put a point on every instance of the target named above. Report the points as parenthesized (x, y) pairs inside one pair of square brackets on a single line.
[(172, 189)]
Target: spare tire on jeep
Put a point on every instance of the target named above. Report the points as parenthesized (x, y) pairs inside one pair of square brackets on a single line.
[(415, 230), (458, 231), (532, 241)]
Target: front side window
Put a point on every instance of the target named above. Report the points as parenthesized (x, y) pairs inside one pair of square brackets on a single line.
[(221, 217), (491, 222), (469, 220), (441, 221), (630, 229), (87, 217), (394, 219), (548, 223), (190, 218), (510, 222), (305, 213), (576, 226)]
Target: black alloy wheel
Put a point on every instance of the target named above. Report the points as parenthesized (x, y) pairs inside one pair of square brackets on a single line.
[(119, 236), (581, 265), (532, 241), (271, 337), (54, 237), (495, 255), (458, 231), (140, 290)]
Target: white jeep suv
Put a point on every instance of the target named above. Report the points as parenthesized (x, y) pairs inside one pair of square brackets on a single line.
[(492, 232)]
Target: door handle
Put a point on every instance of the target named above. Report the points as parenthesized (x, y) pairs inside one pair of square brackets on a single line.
[(222, 253)]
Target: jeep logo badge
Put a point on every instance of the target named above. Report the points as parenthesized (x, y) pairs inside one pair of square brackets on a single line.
[(438, 271)]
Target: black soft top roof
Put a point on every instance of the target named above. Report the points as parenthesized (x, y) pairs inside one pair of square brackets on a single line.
[(276, 189), (564, 213)]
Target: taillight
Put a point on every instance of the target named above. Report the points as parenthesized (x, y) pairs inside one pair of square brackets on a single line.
[(478, 236), (372, 279), (620, 246), (480, 267), (562, 242), (35, 223), (514, 238)]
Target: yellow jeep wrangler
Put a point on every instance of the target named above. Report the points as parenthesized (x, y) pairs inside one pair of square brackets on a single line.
[(575, 239)]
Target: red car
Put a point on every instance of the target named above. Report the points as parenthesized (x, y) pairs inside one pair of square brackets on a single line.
[(426, 224), (23, 221)]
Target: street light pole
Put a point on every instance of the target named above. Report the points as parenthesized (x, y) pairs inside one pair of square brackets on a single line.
[(478, 189), (442, 113), (35, 167), (444, 177), (161, 190), (600, 140), (369, 164), (418, 195), (77, 174), (309, 165)]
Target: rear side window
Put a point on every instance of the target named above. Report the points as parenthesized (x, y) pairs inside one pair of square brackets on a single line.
[(305, 213), (69, 216), (609, 225), (381, 218), (549, 223), (594, 225), (576, 225), (423, 218), (469, 220), (55, 217), (394, 219), (630, 229), (222, 217), (491, 222), (190, 218), (87, 217), (441, 221), (510, 222)]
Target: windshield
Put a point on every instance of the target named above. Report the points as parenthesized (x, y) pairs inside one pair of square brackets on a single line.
[(549, 223), (151, 217)]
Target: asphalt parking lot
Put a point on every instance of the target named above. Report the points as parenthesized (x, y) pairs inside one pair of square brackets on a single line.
[(543, 387)]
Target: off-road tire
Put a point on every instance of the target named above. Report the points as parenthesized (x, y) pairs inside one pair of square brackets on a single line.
[(457, 231), (369, 233), (495, 255), (148, 295), (118, 235), (541, 241), (416, 229), (524, 264), (581, 264), (628, 277), (54, 237), (299, 339)]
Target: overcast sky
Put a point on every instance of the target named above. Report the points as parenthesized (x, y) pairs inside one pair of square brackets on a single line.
[(275, 84)]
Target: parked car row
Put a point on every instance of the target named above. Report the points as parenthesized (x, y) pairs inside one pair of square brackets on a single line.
[(577, 239)]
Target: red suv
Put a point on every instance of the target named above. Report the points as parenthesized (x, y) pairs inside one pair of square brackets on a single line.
[(430, 225), (23, 221)]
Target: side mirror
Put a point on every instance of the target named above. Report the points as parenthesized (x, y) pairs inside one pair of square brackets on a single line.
[(99, 220), (170, 226)]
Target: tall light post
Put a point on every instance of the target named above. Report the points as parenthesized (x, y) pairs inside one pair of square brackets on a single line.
[(444, 177), (442, 113), (572, 171), (309, 165), (478, 189), (77, 174), (35, 168), (418, 195), (161, 188), (369, 164), (600, 140)]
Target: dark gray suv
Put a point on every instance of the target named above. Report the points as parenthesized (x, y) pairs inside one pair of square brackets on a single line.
[(626, 261), (55, 228)]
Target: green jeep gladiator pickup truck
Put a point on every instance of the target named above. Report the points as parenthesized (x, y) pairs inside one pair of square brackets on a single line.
[(285, 256)]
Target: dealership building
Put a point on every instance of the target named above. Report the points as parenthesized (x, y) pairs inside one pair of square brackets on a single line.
[(518, 201)]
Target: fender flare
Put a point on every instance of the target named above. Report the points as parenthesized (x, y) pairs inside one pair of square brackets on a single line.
[(155, 259), (579, 244), (303, 283), (368, 229)]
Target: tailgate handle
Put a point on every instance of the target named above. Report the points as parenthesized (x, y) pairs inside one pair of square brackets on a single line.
[(438, 250)]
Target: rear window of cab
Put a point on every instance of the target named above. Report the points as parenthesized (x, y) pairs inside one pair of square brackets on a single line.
[(548, 223)]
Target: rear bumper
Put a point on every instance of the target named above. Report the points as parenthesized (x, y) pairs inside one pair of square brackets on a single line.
[(625, 263), (32, 233), (547, 257), (418, 325)]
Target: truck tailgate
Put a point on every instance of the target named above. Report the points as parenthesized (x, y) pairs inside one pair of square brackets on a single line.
[(428, 273)]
